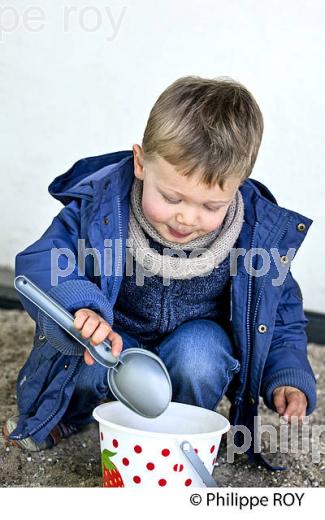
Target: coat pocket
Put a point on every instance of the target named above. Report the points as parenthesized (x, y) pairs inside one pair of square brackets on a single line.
[(33, 375)]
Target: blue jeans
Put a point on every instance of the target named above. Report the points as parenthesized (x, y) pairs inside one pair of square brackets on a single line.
[(199, 358)]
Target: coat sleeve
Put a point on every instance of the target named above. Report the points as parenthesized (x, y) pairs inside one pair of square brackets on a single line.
[(42, 267), (287, 362)]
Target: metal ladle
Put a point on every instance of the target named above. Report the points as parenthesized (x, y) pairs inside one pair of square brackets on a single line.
[(138, 378)]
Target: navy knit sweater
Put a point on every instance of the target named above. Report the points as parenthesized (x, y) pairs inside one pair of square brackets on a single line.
[(151, 311)]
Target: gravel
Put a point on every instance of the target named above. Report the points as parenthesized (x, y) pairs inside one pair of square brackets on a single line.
[(75, 462)]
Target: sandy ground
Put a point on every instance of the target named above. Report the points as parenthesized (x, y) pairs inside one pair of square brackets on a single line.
[(75, 462)]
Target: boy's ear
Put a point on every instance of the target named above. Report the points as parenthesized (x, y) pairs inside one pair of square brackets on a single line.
[(138, 161)]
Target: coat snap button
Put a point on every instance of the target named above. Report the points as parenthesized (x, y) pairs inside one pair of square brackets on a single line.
[(66, 366), (106, 220), (284, 259), (41, 337), (301, 226), (262, 328)]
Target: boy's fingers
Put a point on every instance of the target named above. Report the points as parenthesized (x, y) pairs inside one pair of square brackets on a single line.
[(117, 346), (89, 360), (279, 400), (295, 417), (116, 343), (80, 318), (295, 405), (90, 326), (302, 414), (93, 327), (114, 339), (100, 333), (294, 412)]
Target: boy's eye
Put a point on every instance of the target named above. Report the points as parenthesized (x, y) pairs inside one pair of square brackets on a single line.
[(212, 209), (170, 201), (177, 202)]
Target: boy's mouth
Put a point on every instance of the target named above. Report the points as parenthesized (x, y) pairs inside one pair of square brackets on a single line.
[(177, 234)]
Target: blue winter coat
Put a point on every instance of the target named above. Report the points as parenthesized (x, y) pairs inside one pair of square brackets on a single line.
[(267, 320)]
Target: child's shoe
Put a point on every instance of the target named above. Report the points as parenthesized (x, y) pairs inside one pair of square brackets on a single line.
[(60, 431)]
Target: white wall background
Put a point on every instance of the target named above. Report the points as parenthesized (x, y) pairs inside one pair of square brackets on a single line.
[(79, 78)]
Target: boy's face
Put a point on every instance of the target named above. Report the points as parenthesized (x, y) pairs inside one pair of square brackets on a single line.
[(178, 207)]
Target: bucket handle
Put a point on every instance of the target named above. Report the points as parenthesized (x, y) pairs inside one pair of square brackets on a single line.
[(197, 464)]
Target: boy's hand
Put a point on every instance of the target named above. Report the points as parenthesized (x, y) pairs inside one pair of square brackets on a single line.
[(96, 329), (290, 402)]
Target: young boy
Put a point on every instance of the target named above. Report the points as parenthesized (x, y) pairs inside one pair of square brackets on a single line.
[(198, 271)]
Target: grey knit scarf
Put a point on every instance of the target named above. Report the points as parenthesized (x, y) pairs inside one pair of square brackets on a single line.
[(207, 251)]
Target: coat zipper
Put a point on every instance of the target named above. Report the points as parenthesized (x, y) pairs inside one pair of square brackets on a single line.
[(120, 238), (239, 398), (248, 312)]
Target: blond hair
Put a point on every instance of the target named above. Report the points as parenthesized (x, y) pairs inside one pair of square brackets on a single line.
[(211, 126)]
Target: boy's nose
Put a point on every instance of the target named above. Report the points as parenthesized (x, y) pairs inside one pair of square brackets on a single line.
[(188, 221)]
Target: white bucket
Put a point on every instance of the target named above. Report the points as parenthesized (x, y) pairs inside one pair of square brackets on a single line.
[(137, 451)]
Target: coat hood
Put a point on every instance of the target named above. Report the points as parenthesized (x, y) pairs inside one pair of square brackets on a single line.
[(78, 181)]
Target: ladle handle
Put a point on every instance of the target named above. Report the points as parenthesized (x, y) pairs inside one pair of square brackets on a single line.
[(101, 353), (197, 464)]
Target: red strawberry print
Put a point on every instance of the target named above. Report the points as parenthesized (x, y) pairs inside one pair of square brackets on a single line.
[(111, 475)]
